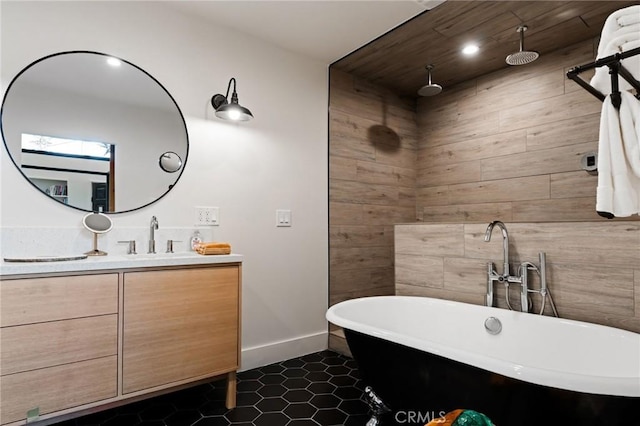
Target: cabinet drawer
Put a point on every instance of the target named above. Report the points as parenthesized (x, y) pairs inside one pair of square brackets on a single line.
[(28, 347), (57, 388), (178, 325), (33, 300)]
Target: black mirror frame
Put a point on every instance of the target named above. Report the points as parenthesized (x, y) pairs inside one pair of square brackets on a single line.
[(184, 163)]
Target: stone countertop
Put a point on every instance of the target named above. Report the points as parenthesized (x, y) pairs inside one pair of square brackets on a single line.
[(97, 263)]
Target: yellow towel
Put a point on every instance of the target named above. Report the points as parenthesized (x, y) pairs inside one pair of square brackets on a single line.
[(213, 248), (214, 245)]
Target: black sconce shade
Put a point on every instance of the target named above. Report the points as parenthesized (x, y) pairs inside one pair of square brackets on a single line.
[(232, 111)]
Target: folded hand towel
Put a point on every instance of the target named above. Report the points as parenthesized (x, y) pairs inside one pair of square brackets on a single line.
[(213, 248), (214, 245), (208, 251), (628, 16), (601, 80), (619, 19), (618, 189)]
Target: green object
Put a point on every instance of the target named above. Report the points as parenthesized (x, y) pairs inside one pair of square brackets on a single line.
[(472, 418), (33, 414)]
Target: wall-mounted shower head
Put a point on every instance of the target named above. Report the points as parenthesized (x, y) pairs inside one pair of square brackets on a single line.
[(522, 57), (429, 89)]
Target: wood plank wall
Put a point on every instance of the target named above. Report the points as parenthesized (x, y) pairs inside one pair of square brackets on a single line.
[(505, 146), (372, 158), (593, 268), (508, 145)]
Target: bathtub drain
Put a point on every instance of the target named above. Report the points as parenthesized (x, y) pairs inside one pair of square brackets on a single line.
[(493, 325)]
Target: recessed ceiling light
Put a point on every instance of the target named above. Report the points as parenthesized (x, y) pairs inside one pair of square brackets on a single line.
[(114, 62), (470, 49)]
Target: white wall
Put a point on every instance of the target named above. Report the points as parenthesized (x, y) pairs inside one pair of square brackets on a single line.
[(278, 160)]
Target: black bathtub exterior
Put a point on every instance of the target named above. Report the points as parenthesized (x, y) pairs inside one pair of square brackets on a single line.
[(419, 386)]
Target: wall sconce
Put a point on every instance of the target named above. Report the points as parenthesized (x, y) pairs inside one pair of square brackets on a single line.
[(230, 110)]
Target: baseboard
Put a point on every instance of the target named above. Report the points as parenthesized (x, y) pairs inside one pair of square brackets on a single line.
[(258, 356)]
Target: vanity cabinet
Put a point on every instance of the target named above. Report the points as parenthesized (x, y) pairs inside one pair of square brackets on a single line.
[(178, 325), (80, 342), (58, 343)]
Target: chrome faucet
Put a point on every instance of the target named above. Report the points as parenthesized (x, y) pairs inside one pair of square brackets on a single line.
[(505, 243), (522, 277), (152, 240), (492, 274)]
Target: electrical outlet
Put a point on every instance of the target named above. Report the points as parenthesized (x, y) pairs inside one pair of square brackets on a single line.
[(207, 216), (283, 218)]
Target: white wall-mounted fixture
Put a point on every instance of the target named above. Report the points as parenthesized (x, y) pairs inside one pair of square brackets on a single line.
[(589, 163), (207, 216), (283, 218), (230, 110)]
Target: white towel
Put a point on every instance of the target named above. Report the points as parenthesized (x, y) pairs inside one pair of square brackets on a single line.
[(601, 80), (619, 19), (619, 158)]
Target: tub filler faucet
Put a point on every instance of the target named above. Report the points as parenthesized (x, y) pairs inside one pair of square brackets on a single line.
[(153, 226), (492, 274), (522, 277)]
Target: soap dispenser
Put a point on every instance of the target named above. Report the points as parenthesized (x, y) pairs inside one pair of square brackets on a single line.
[(196, 239)]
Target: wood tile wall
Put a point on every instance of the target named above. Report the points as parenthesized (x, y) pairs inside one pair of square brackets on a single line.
[(593, 268), (372, 175), (508, 145), (505, 146)]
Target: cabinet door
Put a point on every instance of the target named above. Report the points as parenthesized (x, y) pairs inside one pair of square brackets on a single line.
[(179, 324)]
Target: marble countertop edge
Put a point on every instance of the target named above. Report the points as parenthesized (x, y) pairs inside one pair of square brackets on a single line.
[(108, 262)]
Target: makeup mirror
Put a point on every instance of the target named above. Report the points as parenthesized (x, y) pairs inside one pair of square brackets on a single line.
[(87, 129), (170, 162), (97, 223)]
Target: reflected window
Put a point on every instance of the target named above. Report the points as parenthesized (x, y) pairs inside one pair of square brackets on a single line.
[(63, 146)]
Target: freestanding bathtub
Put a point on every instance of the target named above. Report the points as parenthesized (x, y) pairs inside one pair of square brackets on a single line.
[(424, 357)]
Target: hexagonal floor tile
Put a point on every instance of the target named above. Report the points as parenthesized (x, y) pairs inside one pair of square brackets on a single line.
[(318, 389), (272, 405)]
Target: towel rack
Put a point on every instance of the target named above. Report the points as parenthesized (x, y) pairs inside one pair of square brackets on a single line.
[(615, 69)]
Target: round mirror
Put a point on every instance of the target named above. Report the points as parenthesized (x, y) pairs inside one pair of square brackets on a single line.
[(170, 162), (87, 129), (97, 223)]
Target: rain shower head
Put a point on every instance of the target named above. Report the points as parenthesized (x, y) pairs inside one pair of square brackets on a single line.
[(522, 57), (429, 89)]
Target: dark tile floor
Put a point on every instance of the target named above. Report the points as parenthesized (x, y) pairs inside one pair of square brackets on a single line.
[(317, 389)]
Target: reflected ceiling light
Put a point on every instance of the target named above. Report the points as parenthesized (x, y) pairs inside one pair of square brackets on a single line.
[(114, 62), (470, 49), (230, 110)]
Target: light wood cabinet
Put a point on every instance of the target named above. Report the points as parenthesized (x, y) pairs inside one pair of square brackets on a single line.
[(178, 325), (58, 343), (79, 342)]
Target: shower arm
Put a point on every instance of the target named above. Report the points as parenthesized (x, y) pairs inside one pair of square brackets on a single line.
[(615, 69)]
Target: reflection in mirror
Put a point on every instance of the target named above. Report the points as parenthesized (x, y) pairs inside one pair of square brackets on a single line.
[(72, 123), (53, 164), (97, 223), (170, 162)]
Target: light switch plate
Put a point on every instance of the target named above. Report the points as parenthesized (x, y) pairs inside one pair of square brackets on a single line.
[(283, 218)]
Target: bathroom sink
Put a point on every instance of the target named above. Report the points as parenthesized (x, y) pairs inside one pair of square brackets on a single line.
[(63, 258)]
